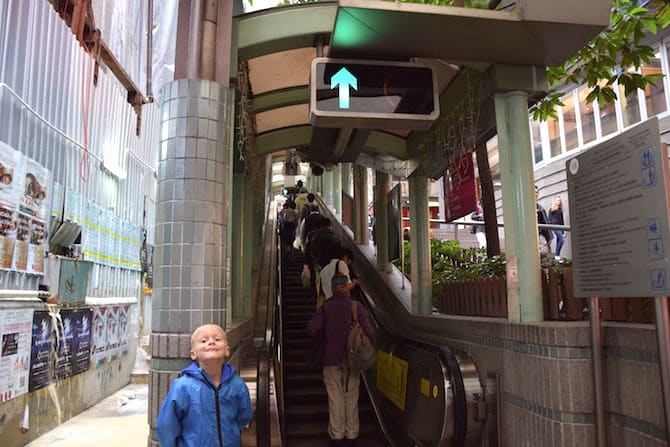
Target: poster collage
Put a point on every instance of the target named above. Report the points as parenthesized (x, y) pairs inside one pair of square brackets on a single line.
[(24, 204), (107, 239), (39, 347)]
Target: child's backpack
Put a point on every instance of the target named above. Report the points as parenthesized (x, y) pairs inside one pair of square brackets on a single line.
[(360, 352)]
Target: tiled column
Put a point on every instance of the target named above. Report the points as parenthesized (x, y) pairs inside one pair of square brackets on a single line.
[(191, 221)]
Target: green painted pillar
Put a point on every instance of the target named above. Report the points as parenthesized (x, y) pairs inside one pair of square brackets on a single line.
[(237, 243), (346, 179), (419, 218), (524, 287), (361, 205), (337, 189), (381, 220), (248, 230)]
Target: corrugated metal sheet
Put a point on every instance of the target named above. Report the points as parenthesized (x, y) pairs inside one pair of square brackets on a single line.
[(44, 81)]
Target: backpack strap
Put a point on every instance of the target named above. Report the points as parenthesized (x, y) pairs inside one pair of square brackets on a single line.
[(354, 309)]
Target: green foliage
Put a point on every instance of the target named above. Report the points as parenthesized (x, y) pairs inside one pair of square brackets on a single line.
[(615, 55), (450, 262)]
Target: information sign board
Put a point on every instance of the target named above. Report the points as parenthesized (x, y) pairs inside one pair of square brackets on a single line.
[(618, 202)]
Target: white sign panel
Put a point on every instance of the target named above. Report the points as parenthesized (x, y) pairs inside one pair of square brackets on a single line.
[(619, 211)]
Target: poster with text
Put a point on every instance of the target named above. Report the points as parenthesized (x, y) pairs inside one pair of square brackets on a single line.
[(8, 226), (41, 360), (99, 336), (57, 200), (35, 189), (81, 351), (65, 344), (124, 329), (36, 249), (74, 207), (20, 257), (112, 333), (11, 164), (16, 327), (461, 188)]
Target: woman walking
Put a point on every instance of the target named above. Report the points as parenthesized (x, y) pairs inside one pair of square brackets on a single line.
[(556, 218)]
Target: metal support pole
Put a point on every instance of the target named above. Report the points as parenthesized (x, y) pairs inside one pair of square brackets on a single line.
[(597, 368), (524, 285), (381, 220), (361, 205), (422, 299), (337, 189), (346, 178), (663, 334)]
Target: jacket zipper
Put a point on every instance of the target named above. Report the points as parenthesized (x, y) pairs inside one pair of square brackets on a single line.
[(218, 416)]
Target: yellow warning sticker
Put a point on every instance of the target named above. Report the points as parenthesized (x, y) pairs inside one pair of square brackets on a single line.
[(425, 387), (392, 378)]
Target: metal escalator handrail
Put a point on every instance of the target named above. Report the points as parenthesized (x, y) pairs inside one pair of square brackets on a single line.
[(443, 352), (446, 357), (277, 328), (264, 341)]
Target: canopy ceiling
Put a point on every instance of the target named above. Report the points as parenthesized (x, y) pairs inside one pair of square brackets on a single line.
[(280, 43)]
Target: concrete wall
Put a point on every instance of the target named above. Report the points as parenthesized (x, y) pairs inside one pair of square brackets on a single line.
[(64, 399), (547, 393)]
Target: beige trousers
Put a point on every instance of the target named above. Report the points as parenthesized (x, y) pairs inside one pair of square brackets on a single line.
[(342, 403)]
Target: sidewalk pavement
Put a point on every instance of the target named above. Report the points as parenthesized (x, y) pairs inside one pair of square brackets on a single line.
[(118, 420)]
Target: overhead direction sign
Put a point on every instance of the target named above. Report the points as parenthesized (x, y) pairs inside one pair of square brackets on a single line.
[(365, 94)]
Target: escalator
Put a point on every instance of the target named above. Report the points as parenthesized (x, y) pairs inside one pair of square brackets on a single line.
[(305, 401)]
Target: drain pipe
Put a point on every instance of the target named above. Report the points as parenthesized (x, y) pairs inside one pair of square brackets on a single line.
[(150, 49), (194, 36)]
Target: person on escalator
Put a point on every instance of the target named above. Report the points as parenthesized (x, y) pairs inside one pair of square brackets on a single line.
[(208, 405), (332, 321)]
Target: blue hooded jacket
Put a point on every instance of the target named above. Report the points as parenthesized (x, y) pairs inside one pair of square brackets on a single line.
[(189, 413)]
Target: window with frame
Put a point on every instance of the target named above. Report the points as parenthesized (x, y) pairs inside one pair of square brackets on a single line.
[(554, 137), (570, 122), (654, 95), (536, 141), (587, 117)]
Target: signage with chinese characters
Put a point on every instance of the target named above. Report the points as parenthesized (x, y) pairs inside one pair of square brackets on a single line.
[(619, 211)]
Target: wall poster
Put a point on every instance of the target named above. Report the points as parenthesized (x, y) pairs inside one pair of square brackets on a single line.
[(81, 346), (41, 357), (99, 336), (11, 164), (64, 344), (15, 331)]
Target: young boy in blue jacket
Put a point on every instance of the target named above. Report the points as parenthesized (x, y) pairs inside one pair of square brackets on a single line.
[(208, 404)]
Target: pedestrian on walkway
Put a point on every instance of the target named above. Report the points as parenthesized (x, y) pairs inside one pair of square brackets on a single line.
[(189, 416), (556, 218), (332, 322)]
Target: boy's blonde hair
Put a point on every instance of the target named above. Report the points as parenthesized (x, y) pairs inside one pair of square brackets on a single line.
[(194, 336)]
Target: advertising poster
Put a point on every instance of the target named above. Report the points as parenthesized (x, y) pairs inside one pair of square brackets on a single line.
[(65, 344), (81, 351), (112, 332), (41, 352), (8, 227), (74, 207), (11, 164), (57, 200), (36, 248), (16, 327), (20, 258), (34, 192), (99, 336), (124, 329)]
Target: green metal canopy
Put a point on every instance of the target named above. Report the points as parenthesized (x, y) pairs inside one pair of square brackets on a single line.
[(280, 43)]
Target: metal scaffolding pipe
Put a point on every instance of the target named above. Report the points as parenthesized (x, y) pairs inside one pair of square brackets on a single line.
[(194, 36)]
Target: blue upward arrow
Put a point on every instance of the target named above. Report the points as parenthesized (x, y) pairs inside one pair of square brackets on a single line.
[(344, 79)]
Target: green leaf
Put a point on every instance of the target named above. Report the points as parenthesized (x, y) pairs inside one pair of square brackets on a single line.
[(650, 25)]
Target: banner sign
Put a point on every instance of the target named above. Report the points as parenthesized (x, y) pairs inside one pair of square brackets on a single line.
[(460, 188), (41, 360)]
